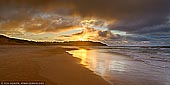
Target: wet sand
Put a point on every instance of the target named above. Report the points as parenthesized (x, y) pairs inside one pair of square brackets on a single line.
[(121, 69), (50, 64)]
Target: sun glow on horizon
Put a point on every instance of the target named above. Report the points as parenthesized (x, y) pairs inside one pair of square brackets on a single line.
[(82, 39)]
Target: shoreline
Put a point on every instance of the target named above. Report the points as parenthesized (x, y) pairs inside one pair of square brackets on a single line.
[(51, 64), (121, 69)]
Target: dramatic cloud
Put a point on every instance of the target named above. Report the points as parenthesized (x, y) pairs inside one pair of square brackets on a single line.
[(40, 23), (48, 23), (91, 34), (142, 25), (138, 17), (131, 14), (114, 8)]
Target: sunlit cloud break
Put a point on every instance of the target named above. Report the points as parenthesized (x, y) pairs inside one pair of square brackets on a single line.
[(112, 20)]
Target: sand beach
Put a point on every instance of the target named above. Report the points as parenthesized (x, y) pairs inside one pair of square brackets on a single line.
[(44, 63)]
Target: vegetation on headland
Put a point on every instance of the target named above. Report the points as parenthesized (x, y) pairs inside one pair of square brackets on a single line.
[(12, 41)]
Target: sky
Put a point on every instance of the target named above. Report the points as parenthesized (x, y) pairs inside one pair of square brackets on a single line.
[(117, 22)]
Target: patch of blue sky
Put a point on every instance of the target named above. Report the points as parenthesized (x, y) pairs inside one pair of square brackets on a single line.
[(119, 32)]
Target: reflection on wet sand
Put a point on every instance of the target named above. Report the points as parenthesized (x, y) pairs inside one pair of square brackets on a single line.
[(98, 62), (82, 54), (120, 69)]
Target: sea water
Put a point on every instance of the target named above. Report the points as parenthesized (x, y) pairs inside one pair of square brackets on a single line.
[(127, 65)]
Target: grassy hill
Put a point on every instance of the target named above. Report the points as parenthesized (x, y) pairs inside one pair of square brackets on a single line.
[(12, 41)]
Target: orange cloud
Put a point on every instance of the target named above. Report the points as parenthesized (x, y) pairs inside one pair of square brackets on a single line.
[(90, 34)]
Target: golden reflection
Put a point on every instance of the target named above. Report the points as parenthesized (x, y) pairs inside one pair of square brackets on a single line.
[(82, 54), (100, 62)]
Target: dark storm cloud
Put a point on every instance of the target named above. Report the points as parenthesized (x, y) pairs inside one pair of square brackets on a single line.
[(163, 28), (141, 25), (138, 38), (104, 8), (133, 16)]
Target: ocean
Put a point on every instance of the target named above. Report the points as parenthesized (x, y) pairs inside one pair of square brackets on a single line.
[(127, 65)]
